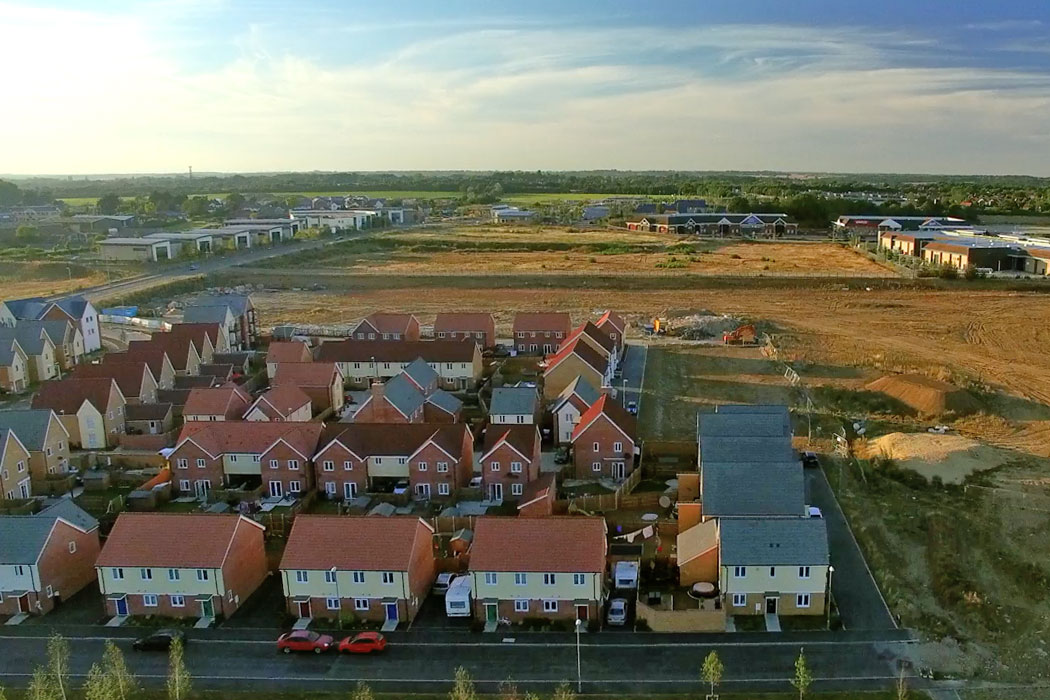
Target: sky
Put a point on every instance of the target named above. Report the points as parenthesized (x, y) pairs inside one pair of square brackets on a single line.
[(925, 86)]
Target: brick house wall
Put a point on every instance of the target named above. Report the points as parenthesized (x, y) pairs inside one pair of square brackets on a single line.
[(212, 469), (65, 571), (433, 414), (546, 341), (245, 567), (164, 608), (379, 410), (566, 610), (431, 455), (284, 472), (421, 567), (340, 475), (376, 609), (606, 435), (504, 456)]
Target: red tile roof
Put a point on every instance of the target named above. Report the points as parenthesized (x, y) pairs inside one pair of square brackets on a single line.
[(364, 543), (556, 544), (177, 347), (581, 349), (228, 401), (368, 439), (396, 351), (176, 540), (197, 331), (66, 396), (612, 318), (523, 438), (305, 373), (541, 487), (542, 321), (281, 401), (612, 410), (127, 375), (288, 351), (251, 437), (591, 331), (389, 323), (155, 357), (473, 323)]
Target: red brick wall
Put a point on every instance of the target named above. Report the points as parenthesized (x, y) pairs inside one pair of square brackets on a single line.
[(68, 573), (431, 454), (190, 452), (433, 414), (321, 396), (605, 434), (422, 567), (566, 610), (283, 453), (551, 336), (192, 609), (245, 568), (338, 455), (504, 455), (376, 610), (379, 410)]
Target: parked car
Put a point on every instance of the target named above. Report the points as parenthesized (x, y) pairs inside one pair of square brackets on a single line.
[(561, 456), (617, 611), (159, 641), (814, 512), (364, 643), (444, 580), (194, 267), (810, 461), (304, 640), (632, 408)]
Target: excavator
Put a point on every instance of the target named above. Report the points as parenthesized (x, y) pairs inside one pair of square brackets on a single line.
[(742, 335)]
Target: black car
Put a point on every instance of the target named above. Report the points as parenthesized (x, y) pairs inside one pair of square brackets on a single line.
[(159, 641), (810, 460)]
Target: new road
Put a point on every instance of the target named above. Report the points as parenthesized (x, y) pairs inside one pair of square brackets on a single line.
[(636, 663)]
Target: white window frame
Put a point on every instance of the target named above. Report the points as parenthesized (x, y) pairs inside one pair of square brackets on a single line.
[(203, 575), (72, 547), (579, 579), (332, 603), (421, 466), (361, 603), (515, 467), (550, 606), (150, 600), (146, 574), (388, 578), (358, 577), (803, 600), (494, 466), (329, 576), (348, 466), (597, 447), (328, 465), (293, 464), (517, 489), (596, 466), (491, 578), (739, 600), (177, 600), (617, 447), (295, 486), (803, 572), (442, 467), (549, 579), (521, 579), (739, 571), (182, 463), (116, 573), (173, 574), (201, 463), (443, 489), (521, 605), (274, 464)]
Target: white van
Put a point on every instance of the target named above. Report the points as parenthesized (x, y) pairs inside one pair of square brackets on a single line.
[(457, 598), (625, 575)]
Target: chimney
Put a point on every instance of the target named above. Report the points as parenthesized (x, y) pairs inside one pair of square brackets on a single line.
[(377, 389)]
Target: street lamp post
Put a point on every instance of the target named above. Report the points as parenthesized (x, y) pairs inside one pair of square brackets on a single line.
[(335, 577), (579, 666), (831, 570)]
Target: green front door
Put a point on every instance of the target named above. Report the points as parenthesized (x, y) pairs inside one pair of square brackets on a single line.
[(207, 608), (490, 612)]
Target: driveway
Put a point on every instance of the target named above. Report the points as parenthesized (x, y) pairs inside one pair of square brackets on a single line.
[(860, 602), (632, 367)]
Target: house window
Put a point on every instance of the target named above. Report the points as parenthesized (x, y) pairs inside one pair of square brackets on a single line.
[(739, 600), (358, 577), (184, 484), (371, 336), (388, 577), (550, 606), (202, 574), (329, 577), (802, 600), (293, 464), (400, 460), (596, 447), (441, 334), (294, 486), (360, 603), (200, 463), (494, 466), (490, 578), (421, 466), (521, 334), (49, 452), (520, 579), (302, 576), (803, 572), (233, 458), (772, 571), (515, 467), (332, 603), (739, 571), (348, 466), (173, 574), (521, 606), (177, 601), (72, 547), (146, 574), (596, 466), (617, 447), (521, 419), (442, 467), (273, 464), (149, 600), (548, 579), (578, 579), (443, 489), (116, 574), (329, 465), (516, 489)]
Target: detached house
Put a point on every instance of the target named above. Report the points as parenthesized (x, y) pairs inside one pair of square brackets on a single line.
[(514, 405), (321, 381), (216, 404), (285, 351), (510, 460), (75, 309), (540, 332), (613, 325), (597, 339), (603, 443), (45, 557), (15, 479), (283, 403), (156, 358), (457, 364), (479, 327), (14, 365), (135, 379), (383, 326), (575, 359), (43, 436), (366, 568), (207, 567), (91, 410), (538, 567), (570, 405)]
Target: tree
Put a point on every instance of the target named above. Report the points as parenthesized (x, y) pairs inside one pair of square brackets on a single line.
[(564, 692), (27, 233), (234, 201), (196, 207), (179, 680), (902, 686), (463, 688), (108, 204), (362, 692), (508, 691), (98, 685), (803, 676), (58, 664), (122, 681), (40, 686), (712, 670)]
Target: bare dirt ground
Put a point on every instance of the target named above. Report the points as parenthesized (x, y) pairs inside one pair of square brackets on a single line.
[(20, 280)]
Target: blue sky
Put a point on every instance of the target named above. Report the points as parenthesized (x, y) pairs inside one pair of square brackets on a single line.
[(808, 85)]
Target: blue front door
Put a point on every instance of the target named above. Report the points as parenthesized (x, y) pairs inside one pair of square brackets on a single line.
[(122, 606), (391, 611)]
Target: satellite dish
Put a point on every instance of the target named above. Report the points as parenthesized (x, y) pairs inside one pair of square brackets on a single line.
[(860, 431), (665, 502)]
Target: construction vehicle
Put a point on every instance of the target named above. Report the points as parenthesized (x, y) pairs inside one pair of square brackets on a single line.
[(657, 327), (742, 335)]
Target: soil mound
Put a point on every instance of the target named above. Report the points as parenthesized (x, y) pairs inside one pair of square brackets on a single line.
[(951, 457), (927, 396)]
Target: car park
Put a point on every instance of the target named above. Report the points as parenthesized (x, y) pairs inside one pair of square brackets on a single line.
[(363, 643), (304, 640), (160, 640)]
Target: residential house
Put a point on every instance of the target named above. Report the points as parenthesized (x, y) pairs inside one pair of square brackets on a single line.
[(570, 405), (135, 379), (240, 322), (285, 351), (216, 404), (537, 501), (538, 567), (207, 567), (149, 418), (209, 338), (575, 359), (614, 326), (436, 459), (366, 568), (400, 400), (321, 381), (15, 479), (540, 332), (597, 339), (241, 361), (383, 326), (91, 410), (156, 358), (41, 362), (46, 557), (510, 460), (180, 349), (75, 309), (603, 443), (752, 489), (773, 225), (458, 365), (776, 566), (479, 327), (286, 403), (43, 435), (14, 366), (514, 405), (7, 317), (67, 338), (210, 455)]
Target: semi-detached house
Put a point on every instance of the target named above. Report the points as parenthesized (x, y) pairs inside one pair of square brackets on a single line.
[(15, 480), (575, 358), (540, 332), (458, 364), (91, 410), (43, 435), (387, 326), (479, 327), (135, 379), (510, 461)]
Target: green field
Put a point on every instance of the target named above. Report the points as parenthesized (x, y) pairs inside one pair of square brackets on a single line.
[(517, 199)]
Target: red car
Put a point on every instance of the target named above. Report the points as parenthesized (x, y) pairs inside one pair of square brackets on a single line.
[(304, 640), (364, 643)]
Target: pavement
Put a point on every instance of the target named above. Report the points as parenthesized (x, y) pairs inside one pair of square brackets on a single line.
[(859, 600)]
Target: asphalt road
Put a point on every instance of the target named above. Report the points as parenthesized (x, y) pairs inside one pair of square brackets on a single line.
[(633, 368), (609, 664)]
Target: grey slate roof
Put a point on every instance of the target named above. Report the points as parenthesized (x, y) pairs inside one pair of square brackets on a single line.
[(204, 314), (752, 488), (238, 303), (7, 351), (74, 306), (29, 308), (779, 409), (445, 401), (513, 400), (773, 542), (66, 509), (404, 395), (734, 425), (420, 372), (30, 425), (746, 449), (584, 389), (22, 537), (31, 338)]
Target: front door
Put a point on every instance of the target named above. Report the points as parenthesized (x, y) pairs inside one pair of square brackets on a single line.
[(391, 612), (23, 603), (24, 488), (423, 492), (582, 611), (350, 490), (122, 606), (771, 606), (276, 489), (496, 492), (303, 608), (491, 613), (207, 608), (619, 471), (201, 487)]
